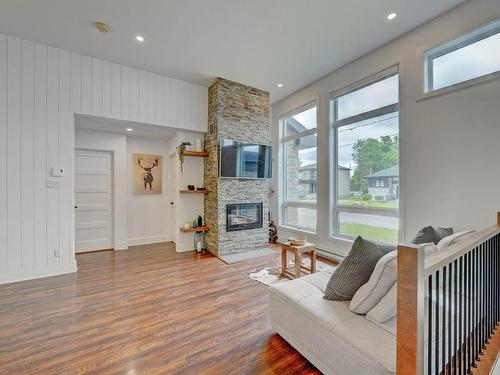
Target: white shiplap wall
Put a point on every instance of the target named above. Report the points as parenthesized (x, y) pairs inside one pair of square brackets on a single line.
[(41, 88)]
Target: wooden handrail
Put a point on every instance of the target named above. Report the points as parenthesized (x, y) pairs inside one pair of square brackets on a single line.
[(457, 250), (412, 274)]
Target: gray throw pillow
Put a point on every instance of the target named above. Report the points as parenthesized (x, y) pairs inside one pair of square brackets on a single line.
[(442, 233), (356, 269), (431, 234)]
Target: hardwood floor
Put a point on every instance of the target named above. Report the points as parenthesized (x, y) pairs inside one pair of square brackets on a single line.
[(146, 310)]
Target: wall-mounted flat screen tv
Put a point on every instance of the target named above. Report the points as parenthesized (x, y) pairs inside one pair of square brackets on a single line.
[(244, 160)]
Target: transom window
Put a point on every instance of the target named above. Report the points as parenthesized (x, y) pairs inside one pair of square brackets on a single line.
[(365, 184), (298, 145), (466, 58)]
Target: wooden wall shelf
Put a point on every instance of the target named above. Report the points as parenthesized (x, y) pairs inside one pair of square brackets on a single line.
[(195, 153), (197, 229), (193, 191)]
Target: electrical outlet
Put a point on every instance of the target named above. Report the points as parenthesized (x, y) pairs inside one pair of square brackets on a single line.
[(57, 253)]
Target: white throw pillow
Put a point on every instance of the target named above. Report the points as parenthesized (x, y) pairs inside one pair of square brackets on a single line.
[(430, 249), (382, 278), (386, 308), (454, 238)]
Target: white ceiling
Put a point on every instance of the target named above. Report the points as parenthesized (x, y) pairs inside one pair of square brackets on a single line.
[(141, 130), (255, 42)]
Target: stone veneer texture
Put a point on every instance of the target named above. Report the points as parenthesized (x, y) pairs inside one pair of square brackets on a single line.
[(237, 112)]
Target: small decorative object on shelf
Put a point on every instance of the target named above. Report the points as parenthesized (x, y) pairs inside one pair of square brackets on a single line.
[(184, 146), (190, 187), (273, 231), (298, 240), (187, 225), (195, 223), (200, 221), (198, 145)]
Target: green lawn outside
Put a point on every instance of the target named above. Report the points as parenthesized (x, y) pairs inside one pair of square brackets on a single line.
[(370, 233), (373, 203)]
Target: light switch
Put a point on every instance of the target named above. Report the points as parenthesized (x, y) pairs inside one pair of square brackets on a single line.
[(57, 172)]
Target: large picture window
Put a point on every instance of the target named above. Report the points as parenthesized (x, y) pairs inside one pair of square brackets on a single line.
[(365, 184), (298, 143)]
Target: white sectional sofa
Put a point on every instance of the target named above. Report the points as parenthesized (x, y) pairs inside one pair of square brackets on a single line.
[(334, 339)]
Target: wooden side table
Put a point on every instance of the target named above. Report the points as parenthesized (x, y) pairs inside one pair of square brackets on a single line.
[(307, 249)]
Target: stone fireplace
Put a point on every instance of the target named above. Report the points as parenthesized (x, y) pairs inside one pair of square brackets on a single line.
[(235, 209)]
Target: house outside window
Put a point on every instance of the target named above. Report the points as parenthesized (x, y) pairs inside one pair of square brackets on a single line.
[(298, 145), (365, 183)]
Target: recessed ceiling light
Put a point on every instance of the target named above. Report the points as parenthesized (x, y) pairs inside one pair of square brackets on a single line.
[(139, 38), (391, 16), (130, 129), (280, 85), (102, 27)]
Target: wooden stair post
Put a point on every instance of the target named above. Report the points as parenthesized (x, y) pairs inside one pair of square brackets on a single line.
[(410, 307)]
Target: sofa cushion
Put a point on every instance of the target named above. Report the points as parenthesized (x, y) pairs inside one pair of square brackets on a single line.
[(431, 234), (319, 279), (355, 269), (294, 290), (386, 308), (369, 340), (388, 325), (306, 294), (327, 314), (382, 278)]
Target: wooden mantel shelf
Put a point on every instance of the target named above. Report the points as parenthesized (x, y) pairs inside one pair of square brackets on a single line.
[(193, 191), (190, 230), (195, 153)]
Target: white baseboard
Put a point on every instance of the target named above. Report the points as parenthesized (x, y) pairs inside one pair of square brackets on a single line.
[(122, 245), (36, 273), (182, 247), (148, 240)]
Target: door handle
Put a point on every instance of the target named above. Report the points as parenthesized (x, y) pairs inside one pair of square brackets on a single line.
[(76, 206), (172, 203)]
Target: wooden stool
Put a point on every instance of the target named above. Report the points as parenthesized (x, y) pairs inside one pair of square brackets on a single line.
[(308, 249)]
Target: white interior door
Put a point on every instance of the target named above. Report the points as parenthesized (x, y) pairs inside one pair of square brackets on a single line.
[(93, 201)]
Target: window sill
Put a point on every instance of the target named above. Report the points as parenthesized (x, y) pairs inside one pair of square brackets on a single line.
[(343, 240), (298, 231), (350, 240), (459, 86)]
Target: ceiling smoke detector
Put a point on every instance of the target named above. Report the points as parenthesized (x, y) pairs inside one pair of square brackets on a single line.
[(102, 27)]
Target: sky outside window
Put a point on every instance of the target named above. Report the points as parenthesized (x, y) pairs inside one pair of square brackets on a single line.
[(472, 61)]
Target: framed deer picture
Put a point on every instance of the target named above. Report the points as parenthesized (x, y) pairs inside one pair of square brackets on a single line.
[(146, 178)]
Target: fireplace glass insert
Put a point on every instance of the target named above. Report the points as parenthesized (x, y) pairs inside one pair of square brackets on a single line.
[(243, 216)]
